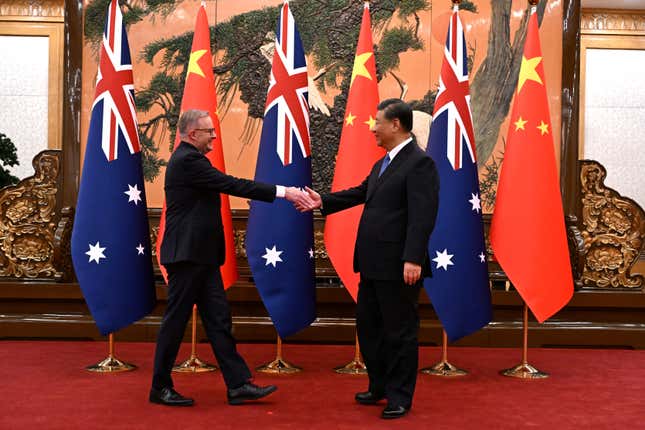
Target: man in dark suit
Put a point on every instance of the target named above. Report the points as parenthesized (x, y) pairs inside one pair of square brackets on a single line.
[(401, 197), (192, 251)]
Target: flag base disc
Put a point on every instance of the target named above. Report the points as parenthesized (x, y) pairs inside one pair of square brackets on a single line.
[(194, 365), (279, 366), (354, 367), (444, 368), (524, 371), (111, 365)]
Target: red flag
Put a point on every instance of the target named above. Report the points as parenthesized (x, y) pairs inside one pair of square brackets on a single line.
[(199, 93), (527, 232), (357, 153)]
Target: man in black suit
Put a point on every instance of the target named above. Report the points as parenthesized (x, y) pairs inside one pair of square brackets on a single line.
[(192, 251), (401, 197)]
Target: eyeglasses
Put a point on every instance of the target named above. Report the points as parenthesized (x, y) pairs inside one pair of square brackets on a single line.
[(207, 130)]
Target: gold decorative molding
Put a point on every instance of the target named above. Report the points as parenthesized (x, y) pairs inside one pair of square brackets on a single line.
[(32, 10), (320, 252), (608, 21), (32, 232), (613, 231), (239, 236)]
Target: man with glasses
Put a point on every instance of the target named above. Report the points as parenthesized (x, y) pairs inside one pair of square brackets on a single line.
[(192, 252)]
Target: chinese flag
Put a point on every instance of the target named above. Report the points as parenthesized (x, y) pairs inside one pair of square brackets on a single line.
[(357, 153), (527, 232), (199, 93)]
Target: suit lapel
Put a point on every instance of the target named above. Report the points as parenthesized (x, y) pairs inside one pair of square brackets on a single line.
[(400, 158)]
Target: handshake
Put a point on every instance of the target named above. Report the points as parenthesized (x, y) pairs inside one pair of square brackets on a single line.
[(303, 200)]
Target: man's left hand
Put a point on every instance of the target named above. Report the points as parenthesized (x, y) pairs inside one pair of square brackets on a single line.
[(411, 273)]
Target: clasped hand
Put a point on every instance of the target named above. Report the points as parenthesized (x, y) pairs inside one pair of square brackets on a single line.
[(303, 201)]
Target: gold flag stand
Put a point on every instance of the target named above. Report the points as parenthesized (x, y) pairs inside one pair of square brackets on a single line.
[(524, 370), (354, 367), (444, 367), (111, 364), (194, 364), (279, 365)]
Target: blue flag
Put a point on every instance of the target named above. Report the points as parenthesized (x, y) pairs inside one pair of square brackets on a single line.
[(458, 289), (279, 239), (110, 237)]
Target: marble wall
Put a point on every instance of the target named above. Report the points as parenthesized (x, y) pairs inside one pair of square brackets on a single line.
[(24, 81), (614, 123)]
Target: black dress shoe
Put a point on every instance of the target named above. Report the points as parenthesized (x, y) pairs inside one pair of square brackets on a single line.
[(367, 398), (392, 412), (248, 391), (169, 397)]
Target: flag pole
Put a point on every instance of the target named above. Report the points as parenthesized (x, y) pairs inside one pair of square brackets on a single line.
[(524, 370), (356, 366), (279, 365), (111, 364), (444, 367), (194, 364)]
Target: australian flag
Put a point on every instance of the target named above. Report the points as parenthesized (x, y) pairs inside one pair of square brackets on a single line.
[(110, 238), (279, 239), (458, 288)]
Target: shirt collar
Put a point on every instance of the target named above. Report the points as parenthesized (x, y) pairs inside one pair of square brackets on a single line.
[(398, 148)]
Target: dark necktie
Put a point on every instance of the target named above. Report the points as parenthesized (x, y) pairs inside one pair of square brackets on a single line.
[(386, 162)]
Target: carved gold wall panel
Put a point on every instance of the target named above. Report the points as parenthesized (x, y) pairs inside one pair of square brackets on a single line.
[(612, 21), (32, 10), (613, 231), (34, 238)]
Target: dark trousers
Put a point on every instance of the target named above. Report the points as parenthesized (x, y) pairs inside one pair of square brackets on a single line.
[(189, 284), (387, 322)]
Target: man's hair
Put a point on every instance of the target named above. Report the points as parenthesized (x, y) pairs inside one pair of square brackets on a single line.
[(188, 119), (397, 108)]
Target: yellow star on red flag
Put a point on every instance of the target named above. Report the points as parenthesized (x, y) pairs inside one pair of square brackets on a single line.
[(519, 124), (193, 66), (528, 72)]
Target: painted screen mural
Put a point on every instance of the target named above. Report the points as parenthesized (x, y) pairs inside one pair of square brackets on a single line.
[(409, 37)]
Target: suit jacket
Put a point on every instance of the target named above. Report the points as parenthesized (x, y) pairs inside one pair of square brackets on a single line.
[(398, 217), (194, 230)]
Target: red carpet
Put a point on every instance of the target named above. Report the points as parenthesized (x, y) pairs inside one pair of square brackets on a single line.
[(45, 387)]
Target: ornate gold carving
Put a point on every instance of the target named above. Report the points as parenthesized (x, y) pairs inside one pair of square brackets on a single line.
[(613, 232), (320, 252), (33, 9), (239, 237), (154, 234), (63, 245), (611, 21), (27, 222), (576, 250)]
